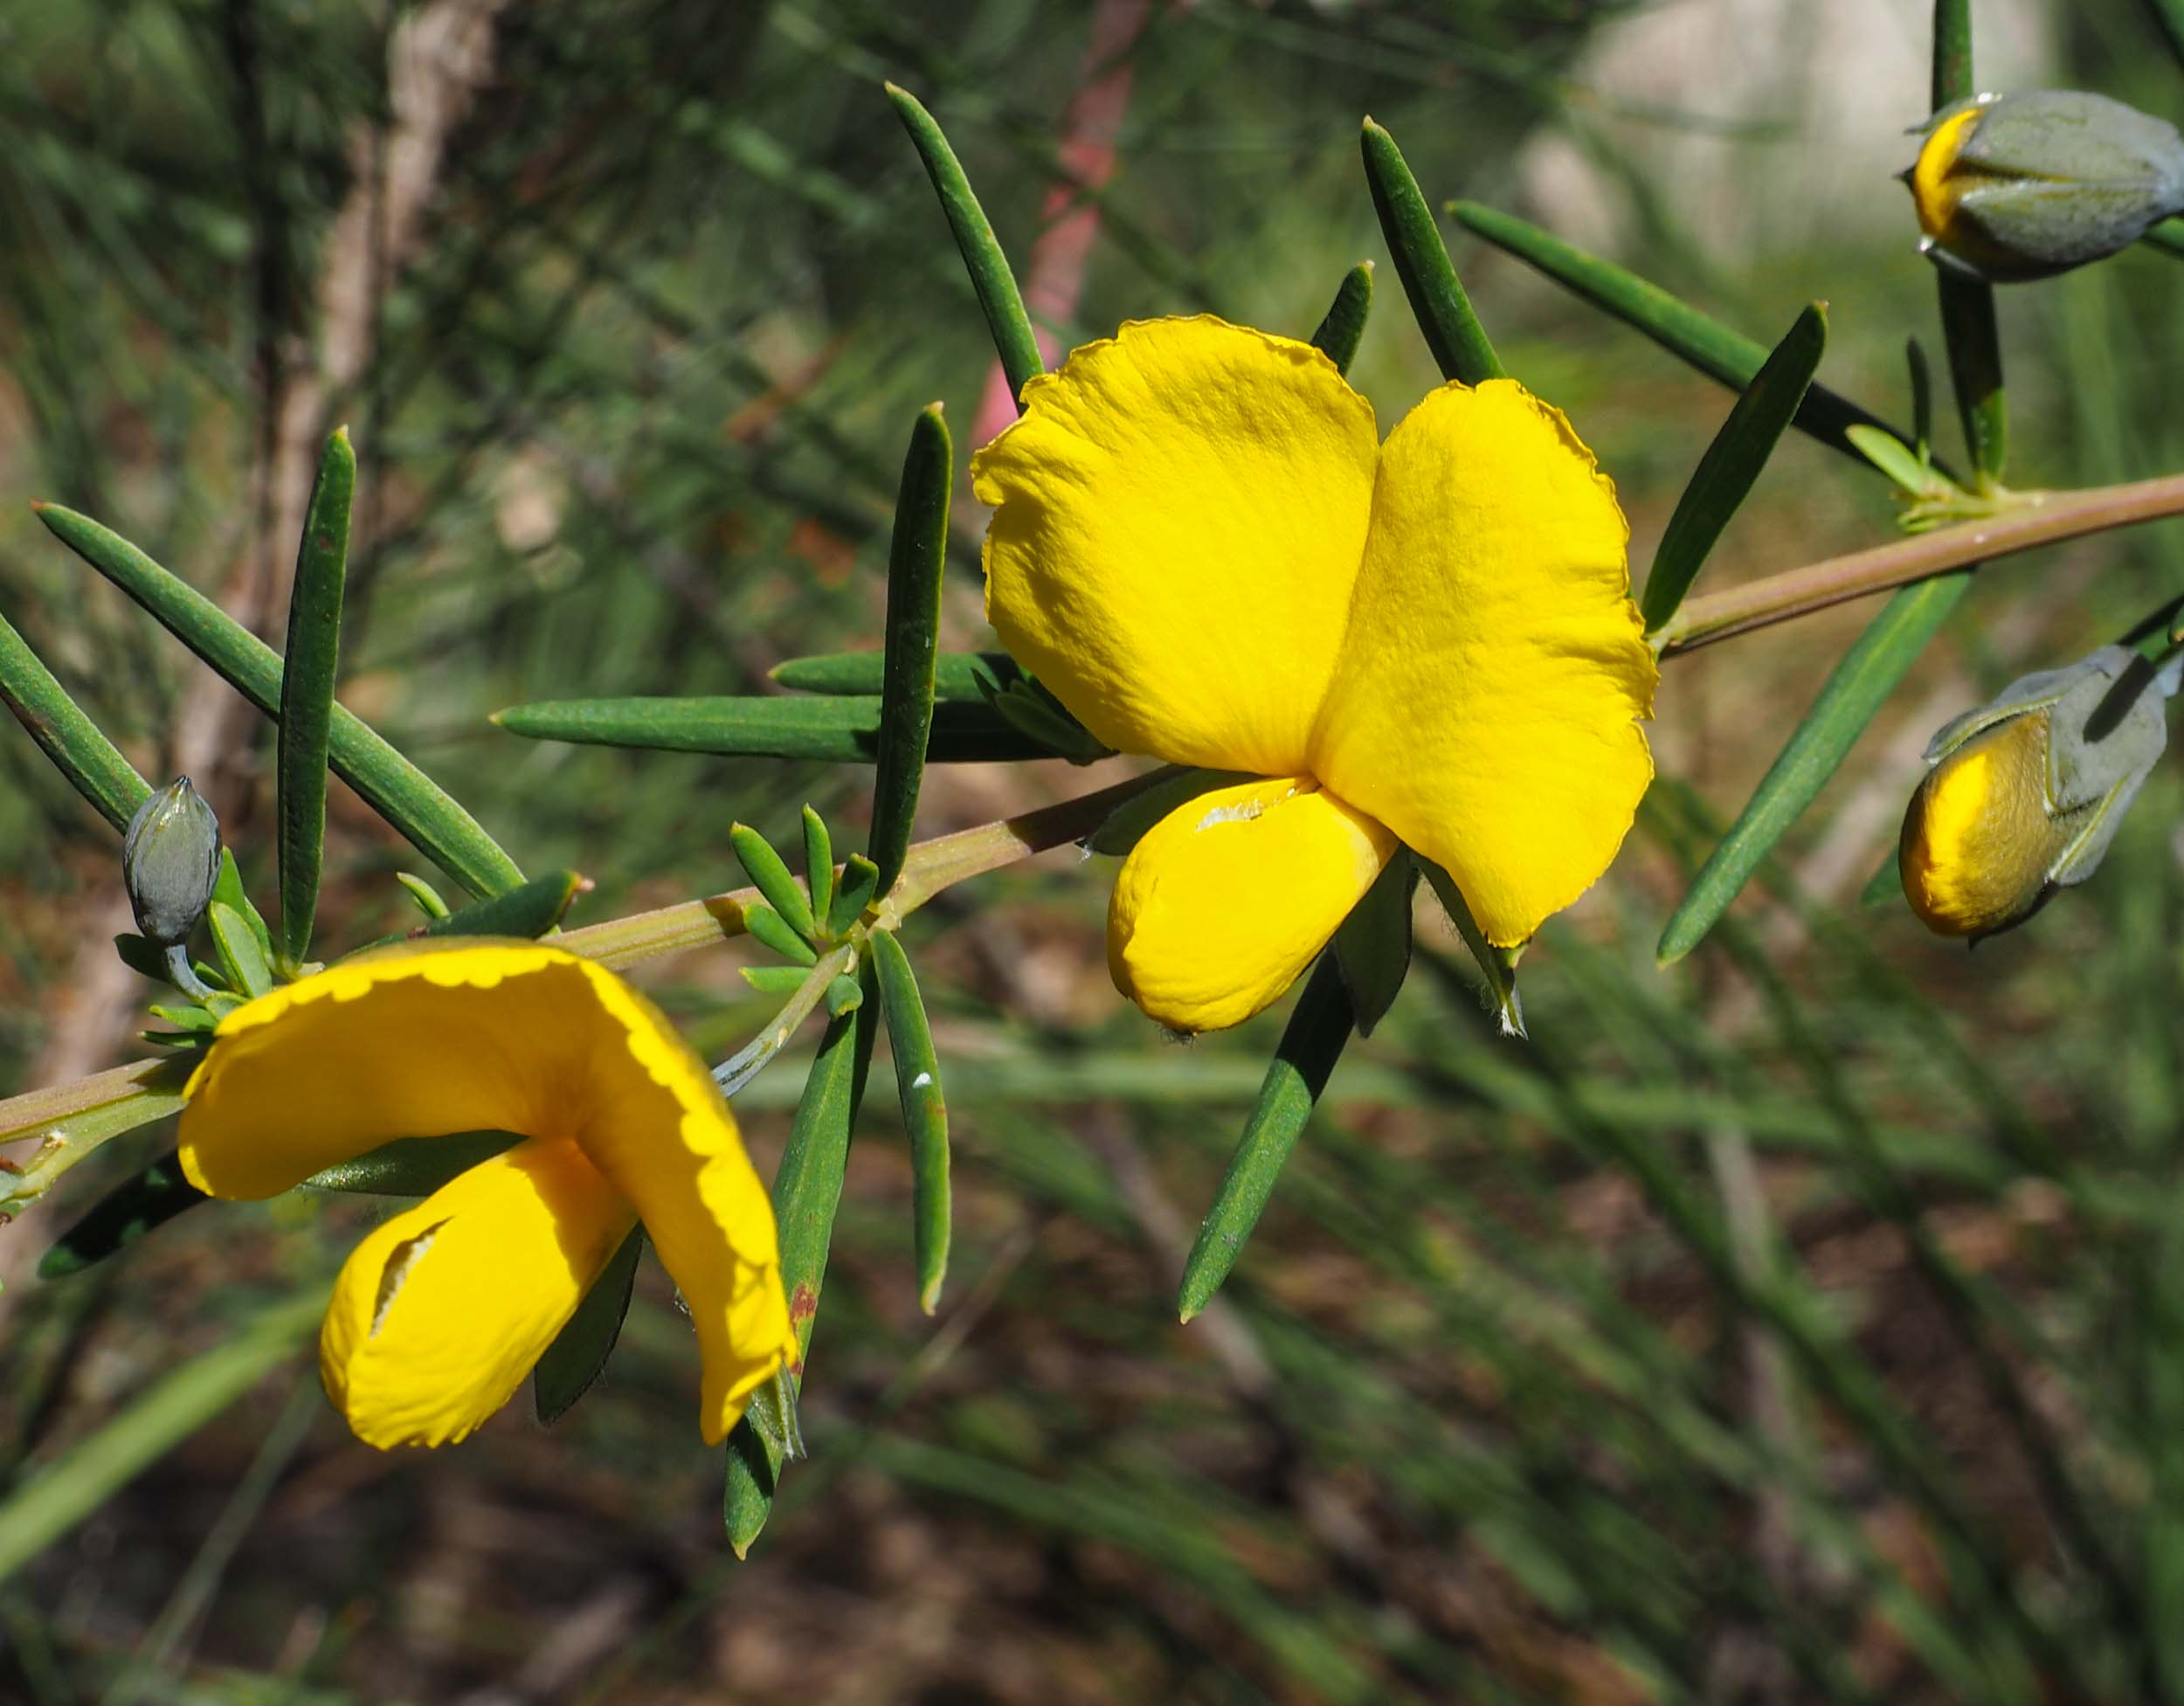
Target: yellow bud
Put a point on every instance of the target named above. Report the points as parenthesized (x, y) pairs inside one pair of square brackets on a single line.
[(1979, 841)]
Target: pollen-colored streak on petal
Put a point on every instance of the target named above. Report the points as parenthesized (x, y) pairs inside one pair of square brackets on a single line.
[(440, 1314), (1179, 515), (662, 1134), (1494, 671), (1227, 898)]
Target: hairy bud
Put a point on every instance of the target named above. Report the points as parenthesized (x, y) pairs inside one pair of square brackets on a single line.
[(171, 859)]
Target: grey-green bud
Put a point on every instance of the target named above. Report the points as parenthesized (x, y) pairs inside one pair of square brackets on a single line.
[(171, 859), (2022, 186)]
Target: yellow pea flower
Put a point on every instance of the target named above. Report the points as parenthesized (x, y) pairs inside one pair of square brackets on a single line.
[(1201, 547), (440, 1314)]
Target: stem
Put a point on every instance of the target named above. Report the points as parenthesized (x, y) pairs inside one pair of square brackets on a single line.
[(2042, 519)]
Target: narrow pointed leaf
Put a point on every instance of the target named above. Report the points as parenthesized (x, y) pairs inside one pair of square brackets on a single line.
[(1890, 456), (122, 1216), (1733, 462), (308, 664), (819, 864), (1497, 965), (1342, 329), (1856, 689), (227, 889), (89, 761), (917, 556), (1040, 718), (1452, 333), (770, 929), (999, 298), (240, 956), (1698, 339), (860, 882), (528, 910), (806, 1192), (960, 677), (418, 808), (412, 1166), (1373, 946), (1922, 388), (140, 956), (1970, 337), (775, 979), (924, 1112), (1318, 1031), (767, 870), (577, 1356), (841, 728), (426, 896)]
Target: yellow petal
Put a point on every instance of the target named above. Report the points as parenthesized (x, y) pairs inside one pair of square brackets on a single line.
[(1486, 704), (1979, 837), (523, 1038), (707, 1214), (440, 1314), (1228, 897), (1179, 514)]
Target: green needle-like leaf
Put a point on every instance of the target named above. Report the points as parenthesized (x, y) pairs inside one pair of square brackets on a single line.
[(412, 1166), (1858, 687), (1497, 965), (806, 1192), (962, 677), (924, 1112), (578, 1354), (418, 809), (89, 761), (1731, 463), (819, 863), (859, 883), (1453, 332), (306, 692), (122, 1216), (991, 277), (776, 979), (916, 558), (1969, 334), (767, 870), (1373, 946), (424, 894), (241, 956), (841, 728), (1340, 332), (1319, 1030), (227, 890), (770, 929), (529, 911), (1728, 357)]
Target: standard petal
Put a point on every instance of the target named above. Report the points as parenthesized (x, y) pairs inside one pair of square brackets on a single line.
[(1486, 704), (1179, 514), (656, 1128), (440, 1314), (1227, 898)]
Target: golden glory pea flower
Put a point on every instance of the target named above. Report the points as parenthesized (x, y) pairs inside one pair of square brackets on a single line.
[(2024, 795), (1201, 547), (440, 1314), (2023, 186)]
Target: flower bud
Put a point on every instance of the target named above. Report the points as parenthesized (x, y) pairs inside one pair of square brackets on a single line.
[(171, 859), (2025, 794), (2021, 186)]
